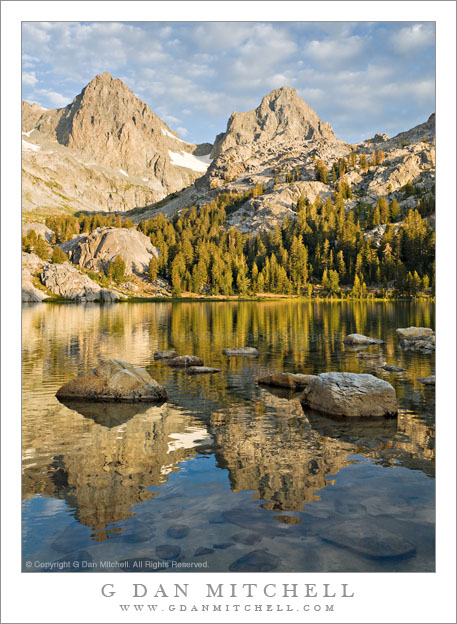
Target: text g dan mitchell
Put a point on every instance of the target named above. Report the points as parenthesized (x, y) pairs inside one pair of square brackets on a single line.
[(232, 590)]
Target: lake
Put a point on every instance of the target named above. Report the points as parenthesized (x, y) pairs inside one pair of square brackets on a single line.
[(226, 475)]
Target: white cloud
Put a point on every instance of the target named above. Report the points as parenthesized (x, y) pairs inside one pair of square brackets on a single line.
[(29, 79), (52, 97), (202, 71), (334, 51), (182, 131), (413, 38)]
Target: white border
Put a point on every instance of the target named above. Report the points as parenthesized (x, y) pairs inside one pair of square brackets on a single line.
[(59, 598)]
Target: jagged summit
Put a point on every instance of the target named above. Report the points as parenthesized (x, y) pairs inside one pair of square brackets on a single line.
[(282, 115), (107, 125)]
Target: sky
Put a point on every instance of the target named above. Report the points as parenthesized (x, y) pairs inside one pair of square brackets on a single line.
[(361, 77)]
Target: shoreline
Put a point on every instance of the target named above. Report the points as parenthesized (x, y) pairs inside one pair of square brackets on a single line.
[(252, 299)]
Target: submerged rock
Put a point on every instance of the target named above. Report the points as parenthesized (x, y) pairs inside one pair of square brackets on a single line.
[(358, 340), (369, 541), (249, 538), (256, 561), (202, 550), (168, 551), (294, 381), (114, 380), (350, 394), (240, 351), (426, 344), (178, 531), (184, 361), (165, 355), (428, 381)]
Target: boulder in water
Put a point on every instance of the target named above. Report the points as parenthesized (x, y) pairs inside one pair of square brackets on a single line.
[(294, 381), (165, 355), (240, 351), (184, 361), (358, 340), (114, 380), (351, 395)]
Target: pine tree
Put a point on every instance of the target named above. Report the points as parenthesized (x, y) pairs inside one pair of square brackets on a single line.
[(58, 256), (334, 281), (394, 210), (42, 249), (325, 283), (153, 268), (116, 269), (321, 172), (357, 287), (384, 209), (341, 266)]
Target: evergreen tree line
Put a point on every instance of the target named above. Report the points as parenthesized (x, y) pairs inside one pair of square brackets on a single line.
[(66, 226), (323, 247)]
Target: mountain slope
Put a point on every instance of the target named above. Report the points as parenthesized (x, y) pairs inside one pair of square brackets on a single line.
[(275, 148), (106, 133)]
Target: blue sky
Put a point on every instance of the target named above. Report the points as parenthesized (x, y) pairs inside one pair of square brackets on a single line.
[(363, 78)]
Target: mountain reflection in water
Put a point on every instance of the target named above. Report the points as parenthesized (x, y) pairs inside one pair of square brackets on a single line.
[(223, 452)]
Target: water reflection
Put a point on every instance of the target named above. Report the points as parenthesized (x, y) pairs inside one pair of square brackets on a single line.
[(107, 460), (103, 468)]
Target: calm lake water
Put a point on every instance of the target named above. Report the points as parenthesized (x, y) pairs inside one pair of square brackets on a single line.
[(226, 475)]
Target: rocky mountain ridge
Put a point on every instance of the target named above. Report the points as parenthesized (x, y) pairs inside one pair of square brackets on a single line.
[(281, 116), (269, 162), (278, 152), (106, 151)]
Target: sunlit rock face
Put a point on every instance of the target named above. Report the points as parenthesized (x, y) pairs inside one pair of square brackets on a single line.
[(281, 116), (98, 249), (107, 139)]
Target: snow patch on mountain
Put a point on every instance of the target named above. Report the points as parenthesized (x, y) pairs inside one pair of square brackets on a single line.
[(31, 147), (184, 159)]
